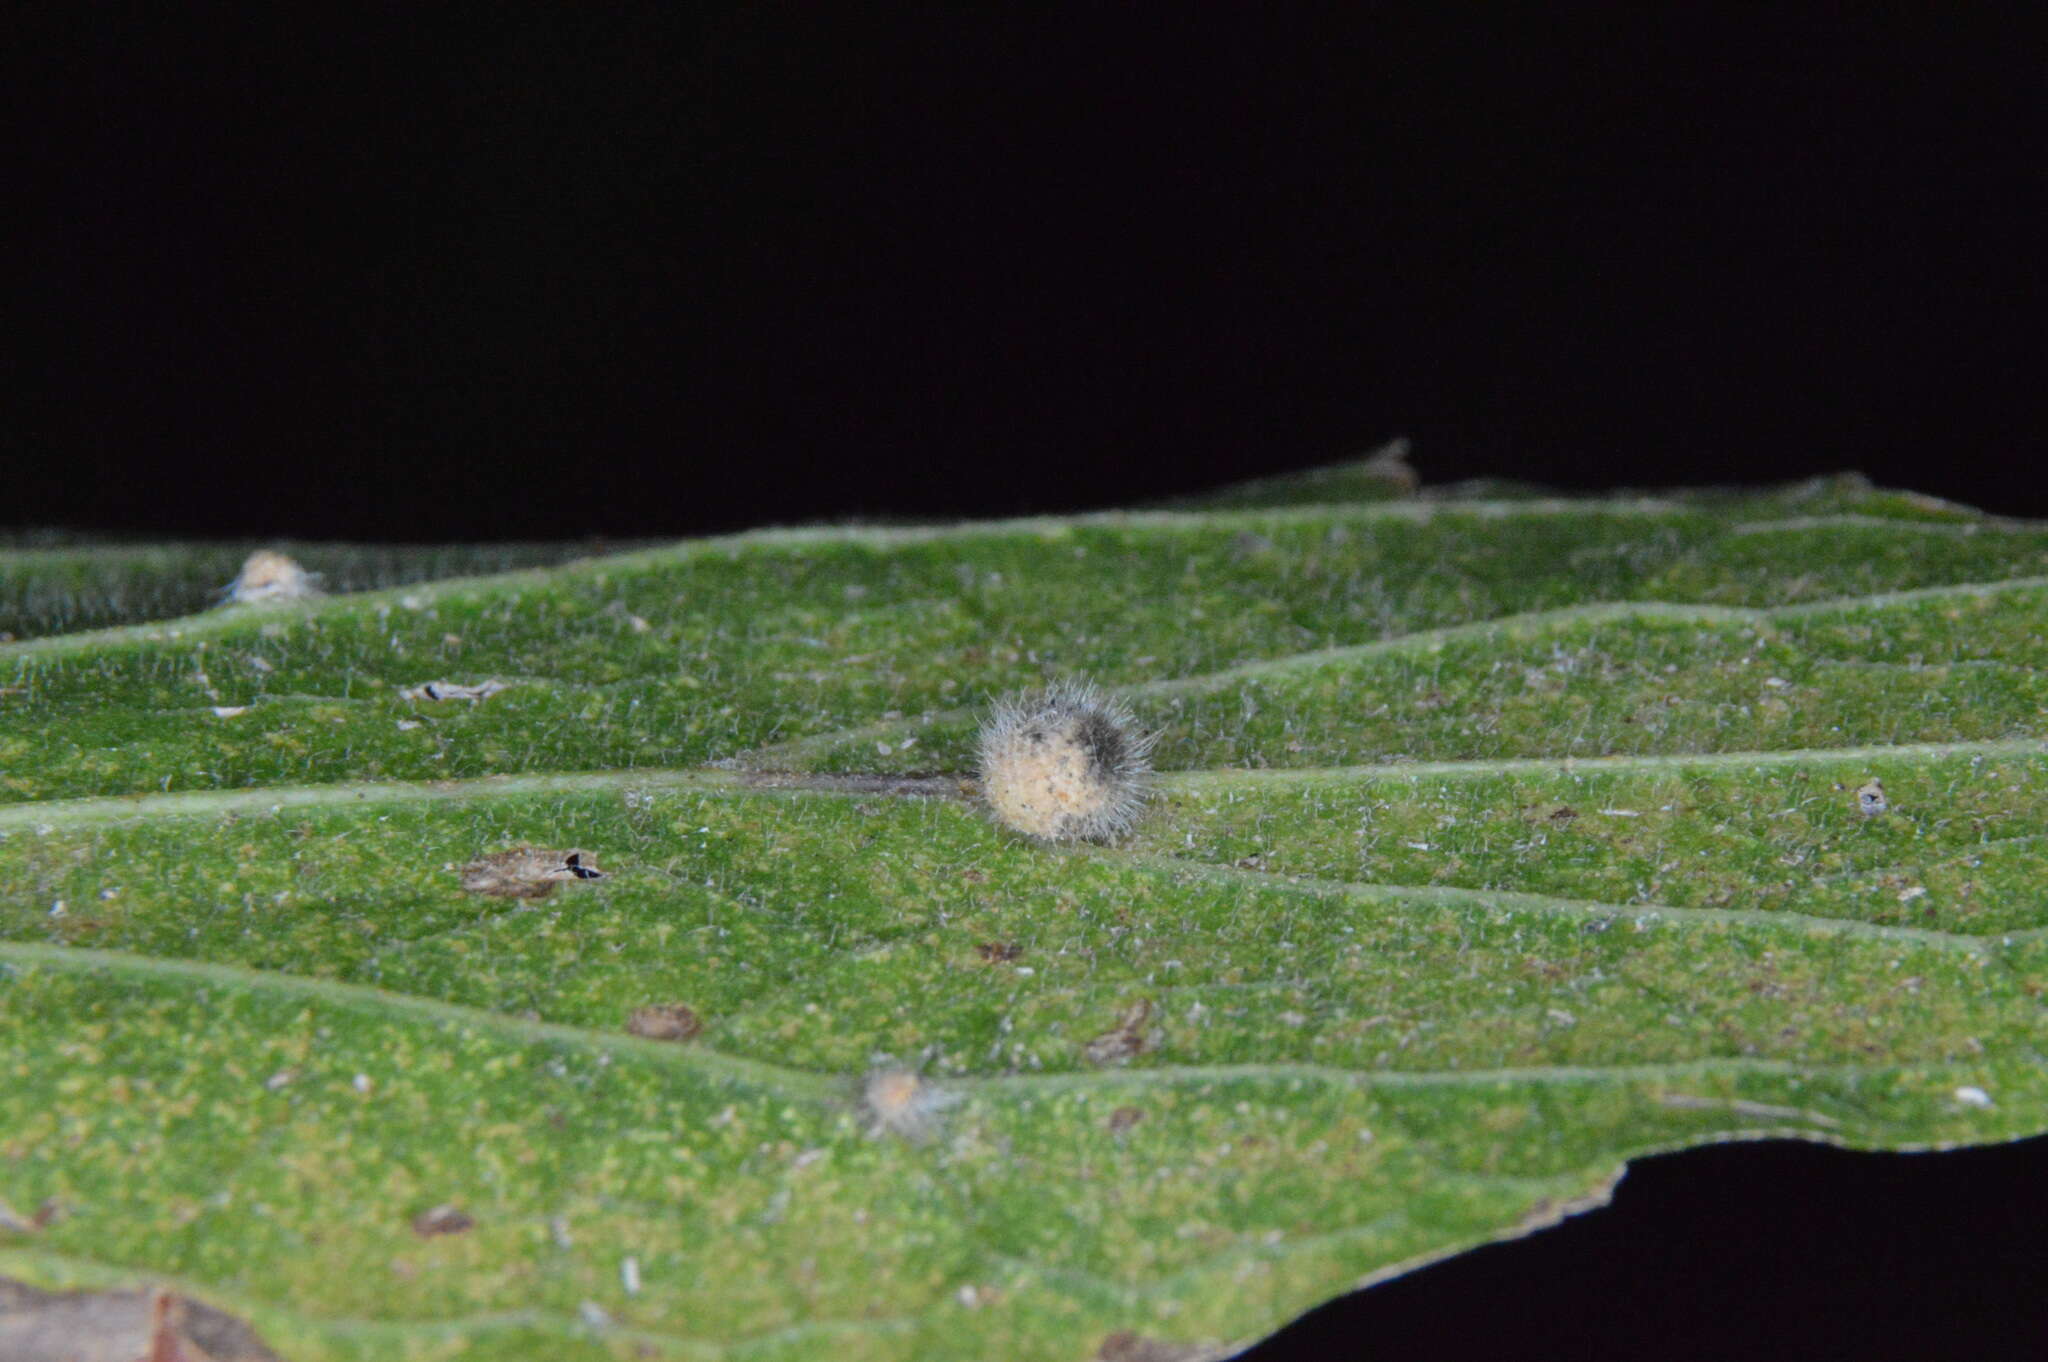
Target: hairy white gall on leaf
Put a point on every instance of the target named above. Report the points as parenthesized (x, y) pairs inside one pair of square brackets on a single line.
[(1064, 764), (270, 576), (897, 1101)]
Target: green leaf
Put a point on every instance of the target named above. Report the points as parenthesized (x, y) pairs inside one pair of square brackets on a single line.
[(1497, 842)]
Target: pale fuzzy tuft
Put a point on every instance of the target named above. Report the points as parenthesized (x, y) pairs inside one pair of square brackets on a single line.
[(271, 576), (1064, 764), (900, 1102)]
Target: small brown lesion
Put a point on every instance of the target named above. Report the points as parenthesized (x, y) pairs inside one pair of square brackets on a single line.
[(527, 872), (665, 1021), (443, 1219), (1126, 1346), (1124, 1042)]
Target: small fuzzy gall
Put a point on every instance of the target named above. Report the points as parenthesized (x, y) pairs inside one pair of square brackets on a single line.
[(1064, 764), (897, 1101), (271, 576)]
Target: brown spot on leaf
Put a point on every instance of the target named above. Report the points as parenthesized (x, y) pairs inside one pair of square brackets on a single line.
[(443, 1219), (527, 872), (998, 952), (1563, 813), (1123, 1118), (664, 1021), (1125, 1041), (1125, 1346), (146, 1325)]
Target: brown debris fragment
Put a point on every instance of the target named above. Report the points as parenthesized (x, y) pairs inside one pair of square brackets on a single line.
[(1125, 1346), (998, 952), (145, 1325), (1126, 1040), (527, 872), (664, 1021), (1123, 1118), (1563, 813), (443, 1219), (1870, 798)]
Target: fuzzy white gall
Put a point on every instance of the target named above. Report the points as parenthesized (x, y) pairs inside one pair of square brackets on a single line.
[(897, 1101), (1064, 764), (271, 576)]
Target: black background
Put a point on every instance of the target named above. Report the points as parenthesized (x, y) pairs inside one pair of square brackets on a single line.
[(431, 274)]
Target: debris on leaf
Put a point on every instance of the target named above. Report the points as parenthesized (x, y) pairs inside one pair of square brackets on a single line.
[(1123, 1118), (1064, 764), (998, 952), (1125, 1346), (1125, 1041), (527, 872), (229, 711), (1390, 465), (146, 1325), (270, 576), (450, 690), (897, 1101), (664, 1021), (1870, 798), (443, 1219)]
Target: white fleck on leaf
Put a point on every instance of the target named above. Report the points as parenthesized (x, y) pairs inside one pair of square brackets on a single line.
[(451, 690)]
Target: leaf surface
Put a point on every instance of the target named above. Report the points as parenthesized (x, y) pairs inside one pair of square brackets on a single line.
[(1497, 842)]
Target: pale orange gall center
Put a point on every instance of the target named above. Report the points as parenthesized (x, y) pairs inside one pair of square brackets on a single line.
[(894, 1092)]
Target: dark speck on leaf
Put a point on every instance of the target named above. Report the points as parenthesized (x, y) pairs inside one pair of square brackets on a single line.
[(442, 1219), (664, 1021)]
